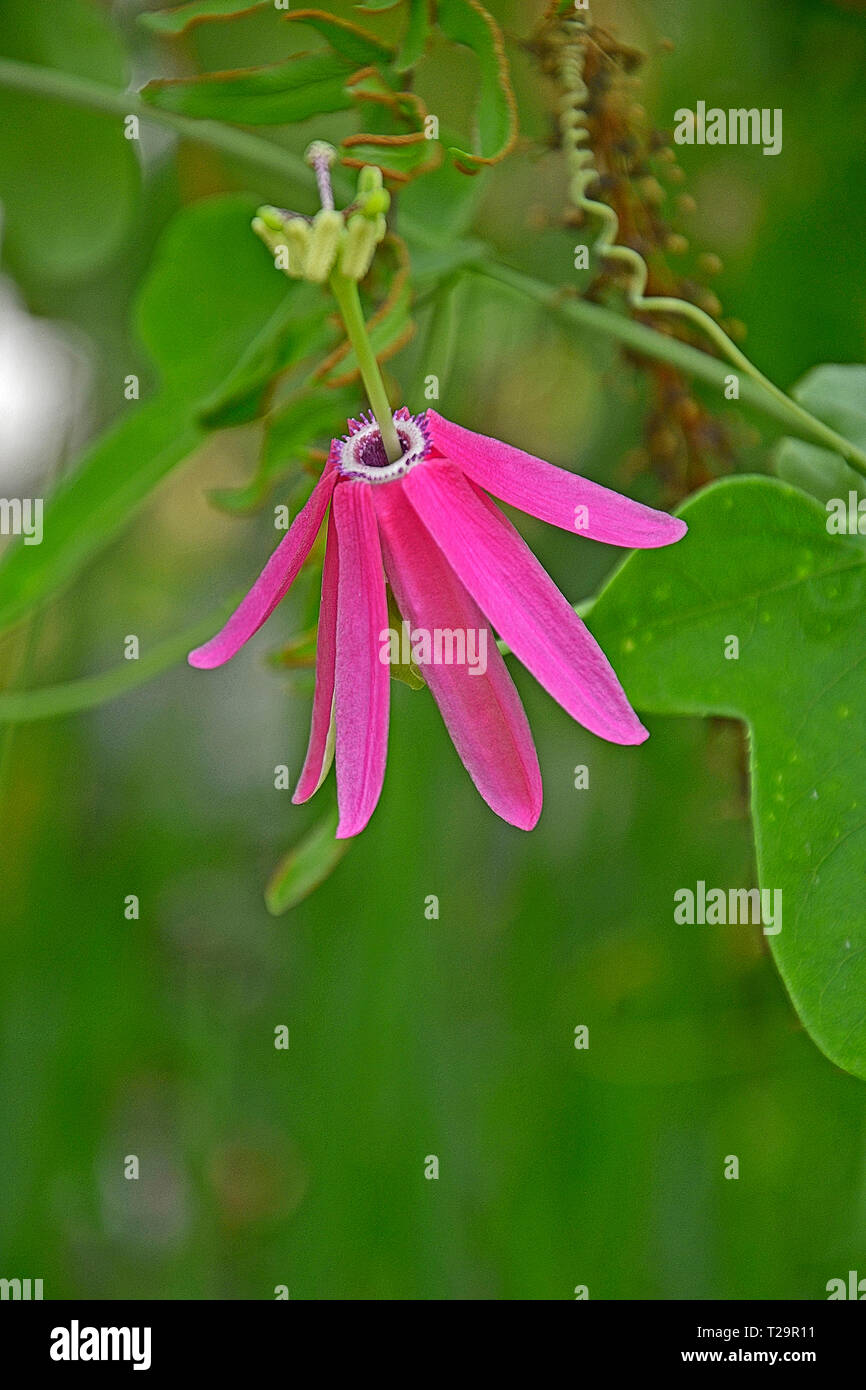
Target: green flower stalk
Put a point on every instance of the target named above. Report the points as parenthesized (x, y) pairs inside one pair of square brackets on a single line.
[(338, 247)]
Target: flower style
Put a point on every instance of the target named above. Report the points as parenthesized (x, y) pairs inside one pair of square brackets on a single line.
[(454, 562)]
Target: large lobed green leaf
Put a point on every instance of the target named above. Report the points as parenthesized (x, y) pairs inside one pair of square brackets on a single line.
[(758, 564), (837, 395)]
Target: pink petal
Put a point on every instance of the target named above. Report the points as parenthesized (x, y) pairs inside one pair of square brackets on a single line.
[(274, 581), (521, 601), (552, 494), (483, 713), (318, 761), (362, 680)]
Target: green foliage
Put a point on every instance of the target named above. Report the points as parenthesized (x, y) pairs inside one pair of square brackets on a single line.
[(356, 45), (467, 22), (69, 178), (118, 1028), (183, 17), (389, 329), (290, 431), (836, 395), (415, 32), (307, 85), (216, 338), (86, 512), (89, 692), (759, 565), (415, 35), (209, 293), (306, 866)]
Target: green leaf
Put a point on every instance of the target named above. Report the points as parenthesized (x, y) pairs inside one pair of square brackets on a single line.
[(299, 424), (88, 692), (88, 509), (306, 866), (406, 672), (309, 84), (208, 294), (417, 28), (400, 157), (357, 46), (183, 17), (759, 564), (415, 38), (443, 204), (440, 261), (836, 395), (296, 329), (393, 134), (290, 433), (69, 179), (467, 22)]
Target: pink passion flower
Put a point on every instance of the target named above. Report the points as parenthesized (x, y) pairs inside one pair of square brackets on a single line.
[(454, 563)]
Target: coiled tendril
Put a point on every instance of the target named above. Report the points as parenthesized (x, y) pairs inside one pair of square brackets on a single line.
[(573, 121)]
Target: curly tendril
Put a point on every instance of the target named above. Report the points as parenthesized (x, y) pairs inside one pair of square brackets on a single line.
[(573, 121)]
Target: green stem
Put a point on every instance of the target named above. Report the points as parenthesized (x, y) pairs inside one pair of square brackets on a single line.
[(815, 428), (23, 706), (347, 297), (756, 389), (54, 85)]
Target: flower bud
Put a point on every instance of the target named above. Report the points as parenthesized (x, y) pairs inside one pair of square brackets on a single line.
[(271, 217), (369, 180), (375, 204)]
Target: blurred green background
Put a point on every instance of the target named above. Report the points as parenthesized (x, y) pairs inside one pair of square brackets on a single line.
[(412, 1037)]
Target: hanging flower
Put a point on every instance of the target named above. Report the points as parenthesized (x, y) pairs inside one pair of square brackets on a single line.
[(457, 566)]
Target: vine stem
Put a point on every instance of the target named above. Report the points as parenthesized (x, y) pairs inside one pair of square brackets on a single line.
[(584, 174), (756, 389), (822, 433), (345, 292), (54, 85), (88, 692)]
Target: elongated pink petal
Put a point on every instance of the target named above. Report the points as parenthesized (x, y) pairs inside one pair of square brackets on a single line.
[(521, 600), (482, 711), (552, 494), (274, 581), (362, 680), (317, 760)]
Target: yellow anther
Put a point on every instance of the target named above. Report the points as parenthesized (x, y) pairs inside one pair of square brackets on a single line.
[(358, 248), (325, 238)]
